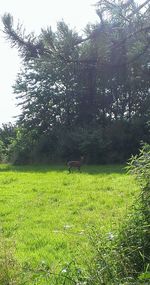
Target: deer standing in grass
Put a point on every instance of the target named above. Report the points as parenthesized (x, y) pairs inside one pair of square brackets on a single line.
[(75, 163)]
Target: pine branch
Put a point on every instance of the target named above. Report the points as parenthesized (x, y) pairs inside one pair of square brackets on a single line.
[(26, 45)]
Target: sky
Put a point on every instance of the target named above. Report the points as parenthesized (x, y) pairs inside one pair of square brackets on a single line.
[(34, 15)]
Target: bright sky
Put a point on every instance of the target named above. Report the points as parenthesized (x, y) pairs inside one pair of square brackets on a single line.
[(34, 15)]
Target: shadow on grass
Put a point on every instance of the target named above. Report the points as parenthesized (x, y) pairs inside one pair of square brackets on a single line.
[(44, 168)]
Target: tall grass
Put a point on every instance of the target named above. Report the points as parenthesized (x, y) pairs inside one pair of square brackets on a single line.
[(47, 214), (124, 258), (10, 269)]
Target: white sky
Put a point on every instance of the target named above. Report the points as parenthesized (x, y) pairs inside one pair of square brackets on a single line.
[(34, 15)]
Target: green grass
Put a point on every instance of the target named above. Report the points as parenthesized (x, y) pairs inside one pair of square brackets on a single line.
[(49, 213)]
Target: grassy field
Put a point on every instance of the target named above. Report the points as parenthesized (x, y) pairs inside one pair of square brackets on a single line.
[(49, 213)]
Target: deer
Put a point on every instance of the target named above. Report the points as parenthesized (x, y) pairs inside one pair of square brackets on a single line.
[(75, 163)]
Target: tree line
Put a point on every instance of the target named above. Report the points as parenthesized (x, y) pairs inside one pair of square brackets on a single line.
[(82, 95)]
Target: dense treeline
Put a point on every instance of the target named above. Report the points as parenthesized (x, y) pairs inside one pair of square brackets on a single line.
[(86, 96)]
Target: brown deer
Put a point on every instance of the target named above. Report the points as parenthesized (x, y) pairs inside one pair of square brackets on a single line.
[(75, 163)]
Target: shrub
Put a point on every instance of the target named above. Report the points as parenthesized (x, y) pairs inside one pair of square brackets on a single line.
[(2, 151)]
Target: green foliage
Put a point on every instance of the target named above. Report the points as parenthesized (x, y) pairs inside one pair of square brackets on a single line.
[(7, 134), (96, 87), (20, 147), (140, 166), (113, 144), (2, 151), (124, 256)]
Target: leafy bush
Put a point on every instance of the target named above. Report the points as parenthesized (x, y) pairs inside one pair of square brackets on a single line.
[(20, 147), (2, 151)]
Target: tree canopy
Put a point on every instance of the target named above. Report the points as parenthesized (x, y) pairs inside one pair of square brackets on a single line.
[(86, 95)]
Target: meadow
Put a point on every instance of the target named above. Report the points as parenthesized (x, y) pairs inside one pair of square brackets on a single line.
[(49, 214)]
